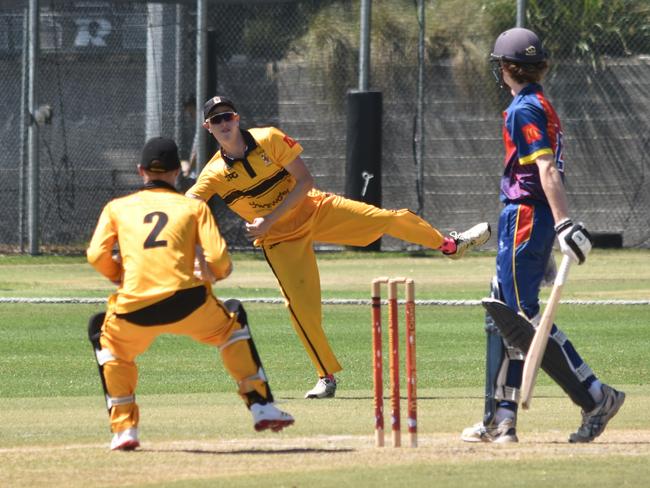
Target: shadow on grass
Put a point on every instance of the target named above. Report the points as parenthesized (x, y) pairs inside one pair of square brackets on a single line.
[(594, 444), (402, 397), (293, 450)]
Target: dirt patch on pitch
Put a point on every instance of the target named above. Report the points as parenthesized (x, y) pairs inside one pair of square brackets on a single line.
[(348, 450), (165, 462)]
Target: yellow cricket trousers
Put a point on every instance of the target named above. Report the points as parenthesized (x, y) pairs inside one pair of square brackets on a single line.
[(211, 323), (335, 220)]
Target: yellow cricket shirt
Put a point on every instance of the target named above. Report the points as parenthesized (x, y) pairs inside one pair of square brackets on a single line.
[(254, 185), (157, 229)]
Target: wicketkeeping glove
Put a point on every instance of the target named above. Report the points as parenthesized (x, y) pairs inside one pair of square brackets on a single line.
[(575, 241)]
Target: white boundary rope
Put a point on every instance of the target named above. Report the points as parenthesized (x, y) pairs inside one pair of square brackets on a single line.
[(328, 301)]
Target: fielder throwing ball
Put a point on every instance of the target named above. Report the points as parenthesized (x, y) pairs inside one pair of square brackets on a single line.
[(158, 231), (535, 212), (259, 174)]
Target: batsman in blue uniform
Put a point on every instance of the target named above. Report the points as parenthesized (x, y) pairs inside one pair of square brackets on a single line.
[(535, 212)]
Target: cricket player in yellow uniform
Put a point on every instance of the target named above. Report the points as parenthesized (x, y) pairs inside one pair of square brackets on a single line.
[(259, 174), (158, 231)]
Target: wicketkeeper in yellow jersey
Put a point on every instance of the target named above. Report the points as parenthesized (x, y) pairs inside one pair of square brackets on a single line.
[(259, 174), (159, 231)]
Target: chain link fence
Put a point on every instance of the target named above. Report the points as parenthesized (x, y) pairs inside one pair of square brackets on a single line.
[(116, 72)]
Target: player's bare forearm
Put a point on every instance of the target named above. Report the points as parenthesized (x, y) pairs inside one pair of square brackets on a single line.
[(304, 183), (261, 225), (553, 187)]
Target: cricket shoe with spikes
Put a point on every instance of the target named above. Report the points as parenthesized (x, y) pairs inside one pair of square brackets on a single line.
[(503, 433), (268, 416), (126, 440), (594, 422), (470, 239)]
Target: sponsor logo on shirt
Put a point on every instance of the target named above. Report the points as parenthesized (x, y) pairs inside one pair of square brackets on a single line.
[(289, 141), (271, 204), (531, 133)]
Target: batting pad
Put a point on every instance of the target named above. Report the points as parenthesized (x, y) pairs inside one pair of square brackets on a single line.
[(518, 331)]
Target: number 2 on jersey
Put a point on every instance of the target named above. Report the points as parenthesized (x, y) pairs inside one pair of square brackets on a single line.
[(161, 222)]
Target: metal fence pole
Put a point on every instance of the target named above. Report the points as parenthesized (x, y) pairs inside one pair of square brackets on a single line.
[(153, 98), (178, 72), (23, 133), (419, 117), (364, 46), (32, 132), (201, 82), (521, 13)]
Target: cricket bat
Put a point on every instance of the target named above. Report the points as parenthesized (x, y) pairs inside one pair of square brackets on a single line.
[(540, 339)]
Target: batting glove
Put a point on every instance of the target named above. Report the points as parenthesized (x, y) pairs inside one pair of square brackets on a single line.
[(575, 241)]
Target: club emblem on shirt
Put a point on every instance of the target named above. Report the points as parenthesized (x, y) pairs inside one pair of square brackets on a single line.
[(265, 158), (231, 176)]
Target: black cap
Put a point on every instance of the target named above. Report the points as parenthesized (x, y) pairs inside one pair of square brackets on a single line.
[(519, 46), (211, 106), (160, 155)]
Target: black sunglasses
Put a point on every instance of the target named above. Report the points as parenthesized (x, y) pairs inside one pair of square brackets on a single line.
[(217, 119)]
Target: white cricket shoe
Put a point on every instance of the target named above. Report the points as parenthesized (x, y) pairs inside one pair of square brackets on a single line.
[(126, 440), (325, 388), (470, 239), (268, 416), (594, 422), (503, 433)]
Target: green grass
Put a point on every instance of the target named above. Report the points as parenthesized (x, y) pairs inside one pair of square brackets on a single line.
[(607, 275), (44, 350), (53, 426)]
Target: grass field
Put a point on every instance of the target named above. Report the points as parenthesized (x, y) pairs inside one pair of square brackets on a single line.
[(195, 431)]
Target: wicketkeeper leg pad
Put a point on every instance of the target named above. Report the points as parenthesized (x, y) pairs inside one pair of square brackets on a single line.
[(242, 361), (519, 331)]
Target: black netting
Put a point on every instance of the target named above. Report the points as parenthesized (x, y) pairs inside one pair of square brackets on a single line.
[(116, 72)]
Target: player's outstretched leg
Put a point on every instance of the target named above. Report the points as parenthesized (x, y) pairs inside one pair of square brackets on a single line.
[(470, 239), (595, 421)]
